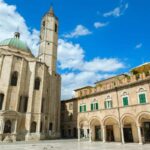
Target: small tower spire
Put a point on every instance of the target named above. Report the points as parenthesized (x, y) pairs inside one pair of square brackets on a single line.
[(51, 11), (17, 35)]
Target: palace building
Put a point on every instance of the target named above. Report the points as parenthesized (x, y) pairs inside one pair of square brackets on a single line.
[(30, 86), (114, 110)]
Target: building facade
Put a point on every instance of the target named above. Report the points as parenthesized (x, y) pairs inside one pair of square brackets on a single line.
[(114, 110), (30, 86)]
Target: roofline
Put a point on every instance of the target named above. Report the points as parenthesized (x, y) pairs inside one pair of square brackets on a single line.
[(83, 88), (140, 66), (110, 78), (68, 100)]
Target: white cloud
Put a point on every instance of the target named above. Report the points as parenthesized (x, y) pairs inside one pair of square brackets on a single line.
[(80, 72), (80, 30), (11, 20), (118, 11), (72, 81), (138, 46), (100, 24)]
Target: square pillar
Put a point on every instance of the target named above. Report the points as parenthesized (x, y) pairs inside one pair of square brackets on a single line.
[(122, 134), (104, 133), (78, 134), (139, 134)]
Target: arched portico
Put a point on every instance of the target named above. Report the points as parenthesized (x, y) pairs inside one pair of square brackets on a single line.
[(83, 129), (143, 121), (129, 128), (95, 129), (111, 129)]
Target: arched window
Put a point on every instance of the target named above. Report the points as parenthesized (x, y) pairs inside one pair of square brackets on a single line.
[(33, 127), (50, 126), (37, 83), (14, 78), (56, 27), (7, 127), (1, 100), (43, 23)]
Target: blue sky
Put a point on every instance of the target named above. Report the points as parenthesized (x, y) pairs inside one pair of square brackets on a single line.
[(97, 29)]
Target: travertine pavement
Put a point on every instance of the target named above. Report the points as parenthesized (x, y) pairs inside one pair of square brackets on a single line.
[(71, 145)]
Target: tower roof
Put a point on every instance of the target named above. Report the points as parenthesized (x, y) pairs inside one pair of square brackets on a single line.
[(51, 11), (16, 43)]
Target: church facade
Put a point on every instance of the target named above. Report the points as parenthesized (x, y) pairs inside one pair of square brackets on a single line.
[(30, 86), (114, 110)]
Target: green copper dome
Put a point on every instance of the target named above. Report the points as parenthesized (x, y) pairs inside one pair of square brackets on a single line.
[(16, 43)]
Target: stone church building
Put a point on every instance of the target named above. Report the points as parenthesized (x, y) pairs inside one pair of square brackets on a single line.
[(30, 86)]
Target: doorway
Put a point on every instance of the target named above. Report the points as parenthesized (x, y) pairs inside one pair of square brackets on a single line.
[(128, 136), (146, 128), (97, 133), (109, 133)]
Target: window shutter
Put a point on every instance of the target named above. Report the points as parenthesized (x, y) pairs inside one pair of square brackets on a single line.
[(105, 104), (125, 101), (92, 107), (110, 104), (142, 98), (84, 108), (80, 108), (96, 106)]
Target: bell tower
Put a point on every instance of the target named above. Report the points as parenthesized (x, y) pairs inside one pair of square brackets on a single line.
[(49, 40)]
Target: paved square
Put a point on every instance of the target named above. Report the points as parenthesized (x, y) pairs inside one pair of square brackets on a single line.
[(71, 145)]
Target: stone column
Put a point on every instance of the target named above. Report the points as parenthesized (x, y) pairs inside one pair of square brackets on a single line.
[(15, 127), (1, 126), (104, 133), (78, 134), (122, 134), (90, 135), (139, 134)]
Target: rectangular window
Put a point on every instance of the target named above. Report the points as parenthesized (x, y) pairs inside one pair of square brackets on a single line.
[(142, 98), (94, 106), (70, 106), (125, 101), (108, 104), (83, 108)]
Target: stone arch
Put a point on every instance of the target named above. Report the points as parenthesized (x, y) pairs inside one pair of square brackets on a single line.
[(109, 117), (128, 123), (95, 128), (143, 120), (112, 129), (127, 115), (144, 114), (95, 118), (83, 126)]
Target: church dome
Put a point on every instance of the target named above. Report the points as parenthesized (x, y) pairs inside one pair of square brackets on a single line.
[(16, 43)]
